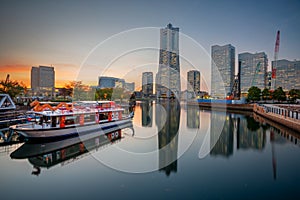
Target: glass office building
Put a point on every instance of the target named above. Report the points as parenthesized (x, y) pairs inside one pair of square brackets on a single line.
[(147, 84), (287, 74), (193, 82), (253, 71), (222, 70), (43, 80)]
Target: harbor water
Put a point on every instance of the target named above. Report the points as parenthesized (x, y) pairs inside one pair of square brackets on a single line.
[(172, 151)]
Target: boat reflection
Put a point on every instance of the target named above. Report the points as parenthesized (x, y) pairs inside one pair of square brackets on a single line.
[(47, 155)]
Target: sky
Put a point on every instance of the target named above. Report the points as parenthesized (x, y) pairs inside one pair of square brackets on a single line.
[(86, 39)]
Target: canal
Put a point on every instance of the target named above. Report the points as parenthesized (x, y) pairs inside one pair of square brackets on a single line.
[(172, 151)]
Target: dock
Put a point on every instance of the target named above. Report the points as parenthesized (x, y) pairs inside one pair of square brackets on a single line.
[(8, 137)]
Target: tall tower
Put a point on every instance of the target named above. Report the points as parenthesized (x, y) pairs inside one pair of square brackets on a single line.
[(222, 70), (147, 84), (193, 81), (168, 80), (253, 71)]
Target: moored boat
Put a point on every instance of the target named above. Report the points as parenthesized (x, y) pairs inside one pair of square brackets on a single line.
[(73, 120)]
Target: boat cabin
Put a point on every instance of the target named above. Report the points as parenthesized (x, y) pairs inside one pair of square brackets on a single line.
[(83, 113)]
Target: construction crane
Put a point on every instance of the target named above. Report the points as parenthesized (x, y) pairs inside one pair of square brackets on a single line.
[(234, 91), (275, 60), (6, 82), (7, 79)]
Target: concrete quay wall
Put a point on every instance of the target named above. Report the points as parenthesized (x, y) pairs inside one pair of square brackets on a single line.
[(279, 115)]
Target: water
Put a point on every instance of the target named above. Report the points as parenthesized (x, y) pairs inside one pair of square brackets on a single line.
[(172, 151)]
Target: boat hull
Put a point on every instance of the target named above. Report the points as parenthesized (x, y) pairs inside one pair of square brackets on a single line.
[(56, 133), (90, 141)]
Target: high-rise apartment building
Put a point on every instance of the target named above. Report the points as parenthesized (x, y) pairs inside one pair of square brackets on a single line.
[(287, 74), (168, 81), (43, 80), (222, 70), (253, 70), (193, 82), (147, 84)]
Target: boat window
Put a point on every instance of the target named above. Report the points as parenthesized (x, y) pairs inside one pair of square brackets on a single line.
[(103, 116), (58, 155), (89, 117), (70, 120), (53, 121)]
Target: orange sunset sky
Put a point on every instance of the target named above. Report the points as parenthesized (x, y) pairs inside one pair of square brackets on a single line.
[(22, 73)]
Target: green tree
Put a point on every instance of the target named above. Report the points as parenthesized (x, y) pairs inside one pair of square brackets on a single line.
[(118, 93), (254, 94), (294, 94), (13, 88), (279, 94), (266, 94), (103, 94), (67, 90), (80, 91)]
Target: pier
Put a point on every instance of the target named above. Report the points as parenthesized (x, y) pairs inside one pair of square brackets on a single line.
[(8, 136)]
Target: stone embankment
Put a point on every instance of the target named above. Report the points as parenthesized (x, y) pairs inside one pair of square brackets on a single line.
[(285, 115)]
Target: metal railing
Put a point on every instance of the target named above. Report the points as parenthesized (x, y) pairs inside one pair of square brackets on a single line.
[(281, 111)]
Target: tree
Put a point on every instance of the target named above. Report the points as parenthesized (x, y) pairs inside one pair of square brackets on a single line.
[(294, 94), (13, 88), (254, 94), (80, 91), (103, 94), (265, 94), (279, 94)]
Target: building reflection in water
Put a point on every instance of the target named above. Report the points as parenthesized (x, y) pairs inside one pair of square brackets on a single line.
[(168, 127), (147, 113), (249, 133), (224, 141), (193, 116)]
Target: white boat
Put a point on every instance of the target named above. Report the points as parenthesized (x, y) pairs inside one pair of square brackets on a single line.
[(74, 119)]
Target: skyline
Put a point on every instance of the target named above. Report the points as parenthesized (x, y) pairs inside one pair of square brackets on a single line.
[(62, 34)]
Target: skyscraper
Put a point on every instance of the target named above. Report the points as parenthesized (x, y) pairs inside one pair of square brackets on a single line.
[(168, 80), (222, 70), (287, 74), (147, 83), (193, 81), (253, 70), (43, 80)]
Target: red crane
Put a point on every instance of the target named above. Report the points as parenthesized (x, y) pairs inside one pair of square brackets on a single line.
[(275, 59)]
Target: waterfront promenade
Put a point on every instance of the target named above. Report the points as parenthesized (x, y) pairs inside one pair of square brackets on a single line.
[(283, 114)]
